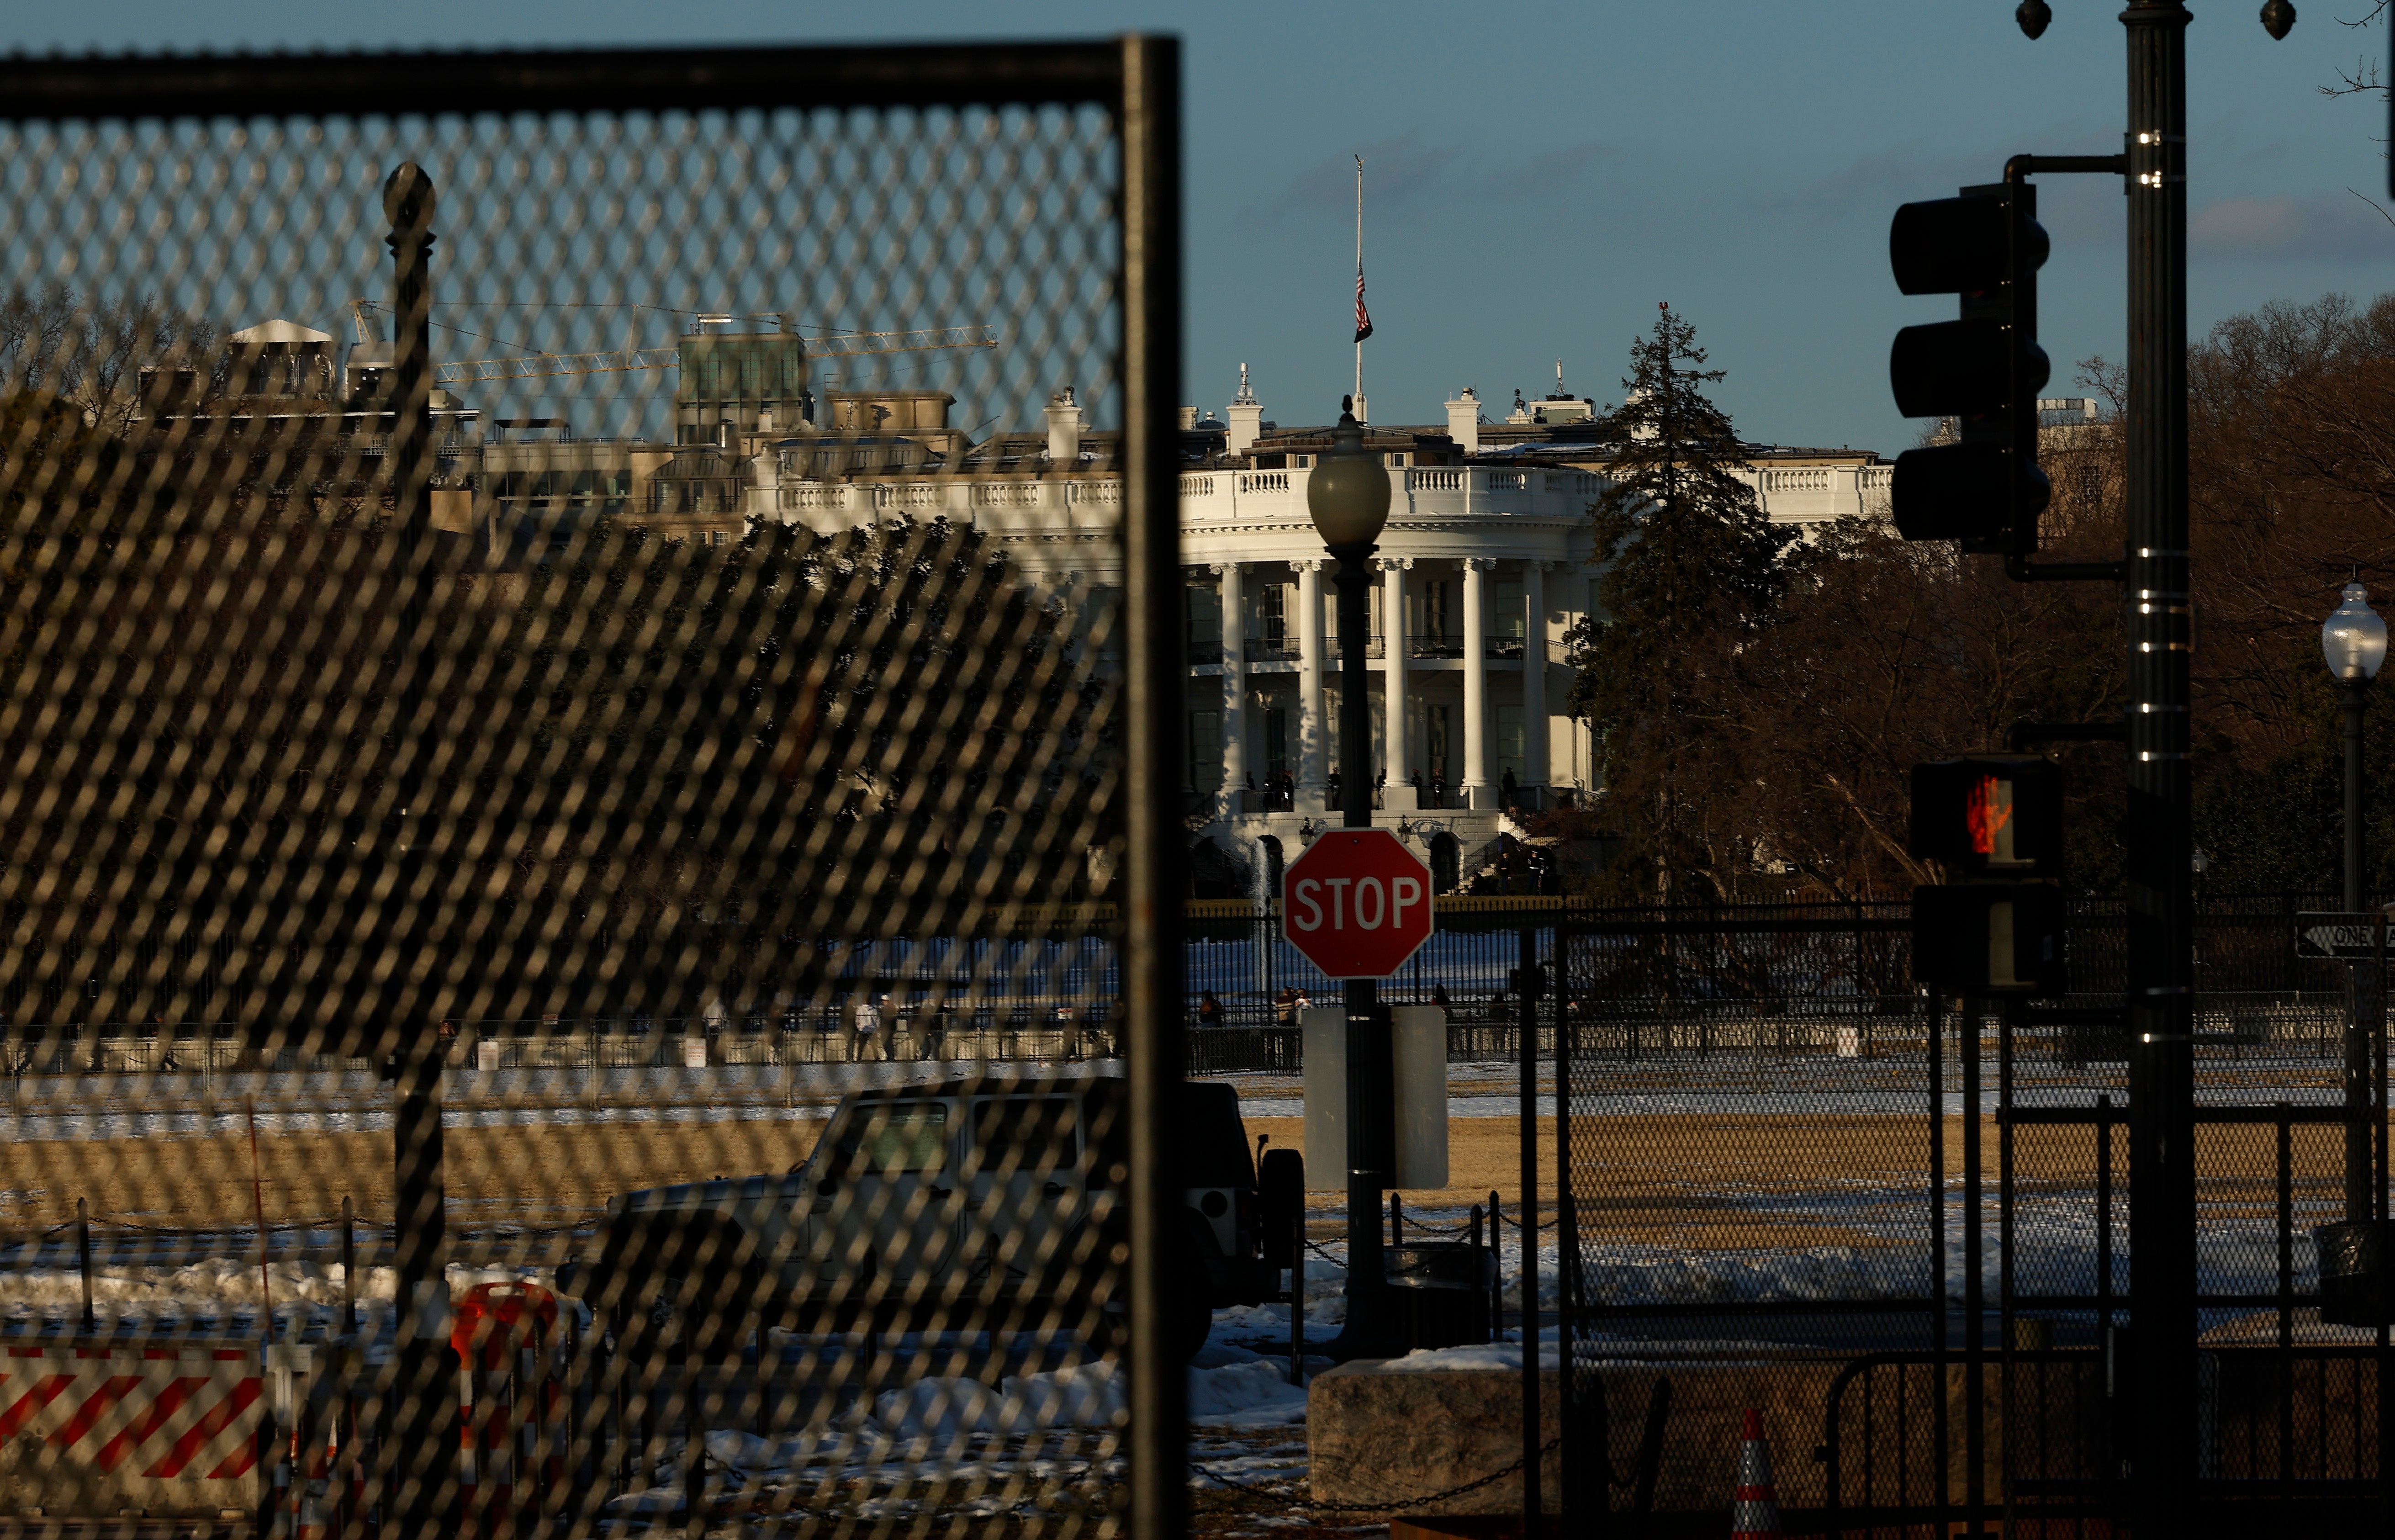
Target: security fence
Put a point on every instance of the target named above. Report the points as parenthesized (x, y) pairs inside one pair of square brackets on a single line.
[(1901, 1237), (416, 613)]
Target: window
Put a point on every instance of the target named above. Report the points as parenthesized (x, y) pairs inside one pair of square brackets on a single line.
[(1272, 610), (1506, 611), (1275, 741), (1205, 751), (1025, 1133), (1434, 608), (1509, 741), (894, 1136), (1205, 618)]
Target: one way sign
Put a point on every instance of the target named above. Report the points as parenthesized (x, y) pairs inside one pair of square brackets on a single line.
[(2351, 936)]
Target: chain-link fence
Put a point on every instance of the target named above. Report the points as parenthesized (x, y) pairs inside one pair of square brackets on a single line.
[(449, 582)]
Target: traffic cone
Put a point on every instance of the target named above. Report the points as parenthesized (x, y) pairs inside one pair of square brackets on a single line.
[(1754, 1515)]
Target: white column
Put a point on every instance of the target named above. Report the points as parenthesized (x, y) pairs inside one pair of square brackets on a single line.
[(1478, 788), (1535, 767), (1400, 792), (1235, 690), (1313, 770)]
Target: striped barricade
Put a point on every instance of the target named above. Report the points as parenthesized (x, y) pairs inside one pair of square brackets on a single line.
[(163, 1428)]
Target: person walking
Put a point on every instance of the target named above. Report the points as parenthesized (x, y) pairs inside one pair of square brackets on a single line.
[(1284, 1007), (865, 1041), (1209, 1010), (1068, 1024), (1508, 787)]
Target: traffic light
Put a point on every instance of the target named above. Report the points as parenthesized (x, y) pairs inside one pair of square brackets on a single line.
[(1983, 370), (1989, 815), (1994, 822)]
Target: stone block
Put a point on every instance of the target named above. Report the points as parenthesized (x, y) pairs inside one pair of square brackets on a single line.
[(1375, 1435)]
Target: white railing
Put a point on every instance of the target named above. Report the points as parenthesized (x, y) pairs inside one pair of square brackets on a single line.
[(1096, 492), (1575, 483), (1007, 494), (1197, 487), (1815, 480), (1263, 481), (1875, 478), (915, 494), (1506, 480), (819, 500), (1435, 480)]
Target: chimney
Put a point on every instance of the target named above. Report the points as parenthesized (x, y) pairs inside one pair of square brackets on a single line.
[(1247, 417), (1189, 418), (1463, 421), (1063, 430)]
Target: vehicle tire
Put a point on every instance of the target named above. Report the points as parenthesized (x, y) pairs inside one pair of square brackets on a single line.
[(1192, 1321), (674, 1286), (1192, 1305), (1280, 1204)]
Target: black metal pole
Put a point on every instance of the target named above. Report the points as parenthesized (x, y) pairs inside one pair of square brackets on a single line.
[(1529, 994), (1155, 1050), (1975, 1303), (420, 1488), (83, 1264), (1371, 1067), (2158, 826), (2357, 1074)]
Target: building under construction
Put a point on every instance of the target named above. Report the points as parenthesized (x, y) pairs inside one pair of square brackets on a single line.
[(522, 487)]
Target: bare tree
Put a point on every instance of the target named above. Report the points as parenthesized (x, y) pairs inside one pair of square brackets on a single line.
[(91, 352)]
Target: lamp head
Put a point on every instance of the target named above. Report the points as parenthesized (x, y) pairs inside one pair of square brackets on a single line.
[(2353, 638), (1349, 491)]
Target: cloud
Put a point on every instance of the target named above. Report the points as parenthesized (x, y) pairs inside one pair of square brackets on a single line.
[(2303, 225)]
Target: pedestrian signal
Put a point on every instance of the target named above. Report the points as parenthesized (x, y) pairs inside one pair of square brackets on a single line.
[(1989, 938), (1990, 816)]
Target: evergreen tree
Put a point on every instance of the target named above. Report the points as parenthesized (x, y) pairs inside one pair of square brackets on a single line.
[(1692, 571)]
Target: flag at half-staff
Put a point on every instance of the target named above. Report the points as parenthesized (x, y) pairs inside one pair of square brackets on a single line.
[(1363, 316)]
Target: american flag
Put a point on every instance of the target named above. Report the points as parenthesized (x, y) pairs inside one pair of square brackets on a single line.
[(1363, 316)]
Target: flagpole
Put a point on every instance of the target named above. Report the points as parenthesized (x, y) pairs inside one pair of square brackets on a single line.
[(1359, 273)]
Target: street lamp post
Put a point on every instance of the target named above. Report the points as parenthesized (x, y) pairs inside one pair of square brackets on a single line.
[(2353, 639), (1347, 492)]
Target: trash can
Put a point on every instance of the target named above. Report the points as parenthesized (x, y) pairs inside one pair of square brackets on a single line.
[(1441, 1290)]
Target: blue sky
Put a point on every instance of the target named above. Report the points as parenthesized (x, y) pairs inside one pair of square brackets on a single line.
[(1541, 175)]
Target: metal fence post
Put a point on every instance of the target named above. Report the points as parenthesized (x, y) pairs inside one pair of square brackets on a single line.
[(1528, 999), (419, 1483), (1151, 886), (82, 1259)]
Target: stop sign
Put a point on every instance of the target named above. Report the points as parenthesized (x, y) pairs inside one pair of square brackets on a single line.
[(1356, 903)]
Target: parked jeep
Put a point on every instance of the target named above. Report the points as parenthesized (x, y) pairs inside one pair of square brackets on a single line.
[(993, 1202)]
